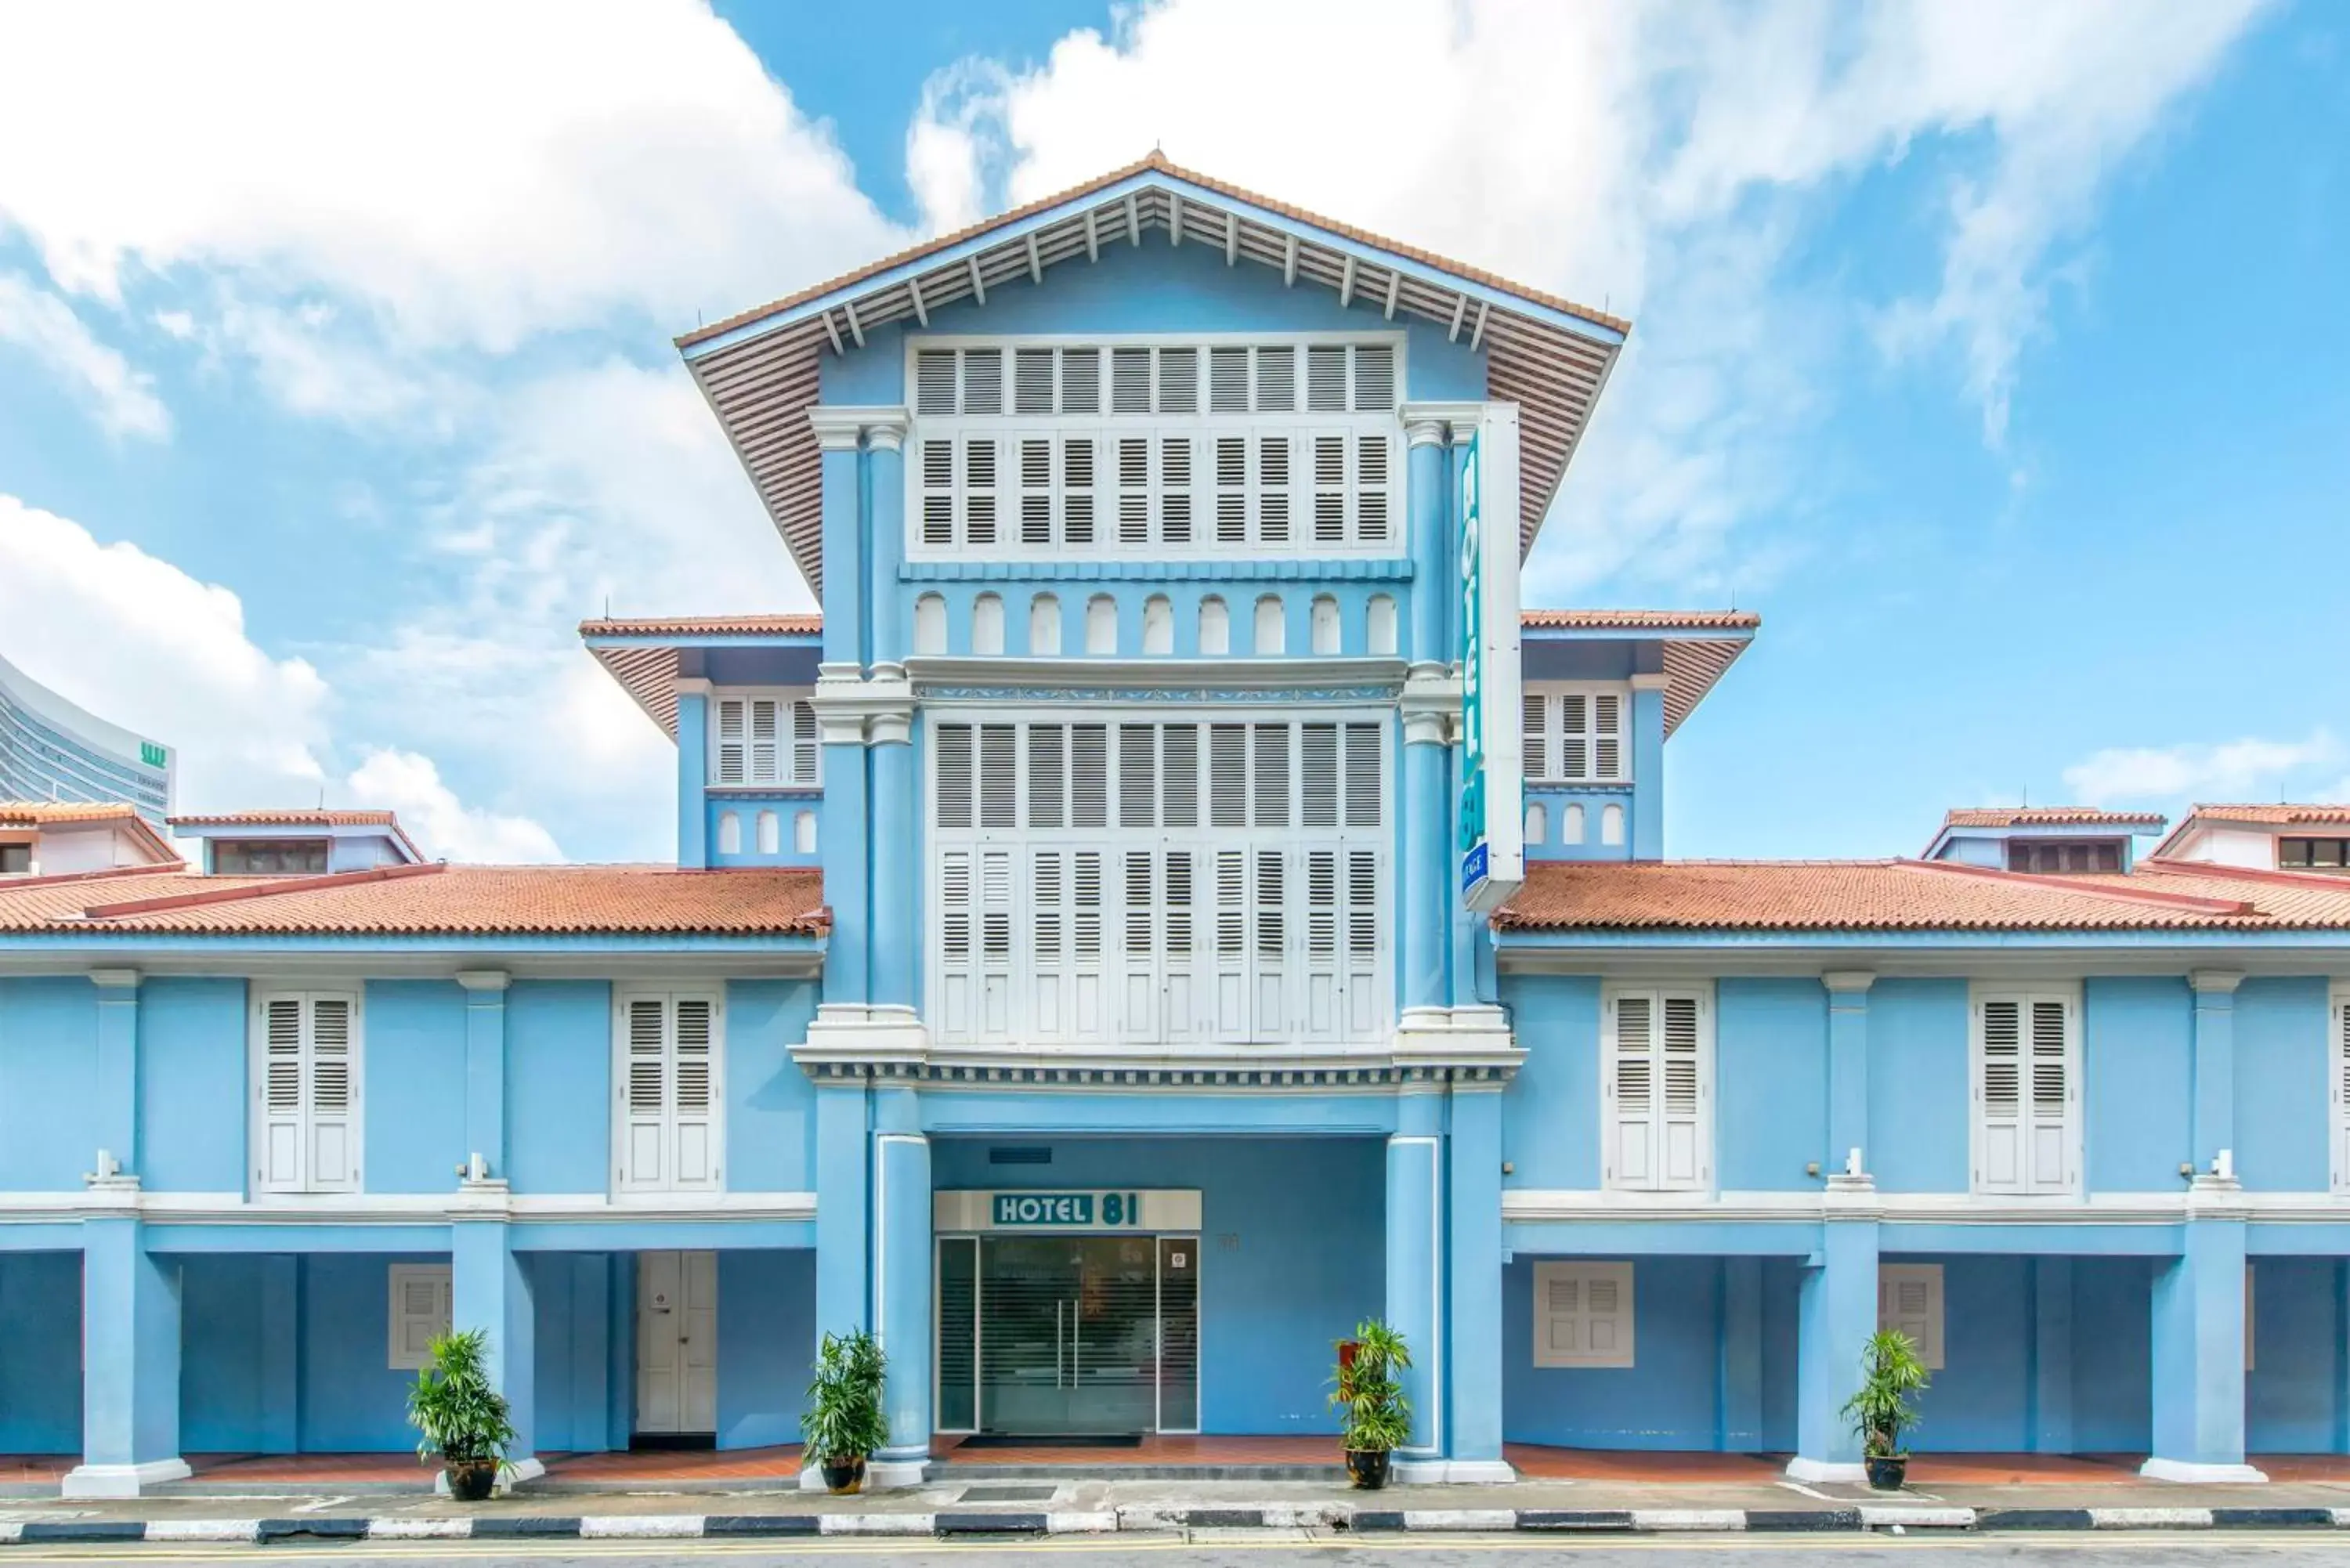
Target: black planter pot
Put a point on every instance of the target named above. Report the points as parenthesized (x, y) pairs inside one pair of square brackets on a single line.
[(1888, 1474), (1368, 1466), (471, 1481), (842, 1477)]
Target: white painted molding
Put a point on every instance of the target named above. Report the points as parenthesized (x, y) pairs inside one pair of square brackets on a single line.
[(484, 980), (120, 1481), (2218, 981), (1457, 1037), (488, 1199), (692, 686), (1848, 982), (840, 426), (2192, 1474), (1272, 673), (1524, 1205), (114, 979), (1654, 680), (1423, 432), (1430, 704), (851, 710)]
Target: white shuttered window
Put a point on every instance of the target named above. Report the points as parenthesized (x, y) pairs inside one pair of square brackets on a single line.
[(669, 1098), (1577, 734), (2338, 1064), (762, 740), (1141, 881), (2026, 1092), (306, 1091), (1583, 1314), (419, 1311), (1657, 1062), (1910, 1298), (1156, 449)]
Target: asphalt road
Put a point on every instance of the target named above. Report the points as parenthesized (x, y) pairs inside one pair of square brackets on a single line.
[(1258, 1550)]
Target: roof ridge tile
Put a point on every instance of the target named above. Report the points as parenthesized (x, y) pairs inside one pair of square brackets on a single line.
[(2079, 885), (276, 887)]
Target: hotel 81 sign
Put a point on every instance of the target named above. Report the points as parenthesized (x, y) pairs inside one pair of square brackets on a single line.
[(1492, 823)]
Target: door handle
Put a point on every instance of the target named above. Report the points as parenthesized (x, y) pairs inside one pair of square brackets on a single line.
[(1077, 1347), (1056, 1344)]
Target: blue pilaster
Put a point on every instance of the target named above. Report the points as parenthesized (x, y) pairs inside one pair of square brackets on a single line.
[(485, 1067), (2215, 1066), (1428, 857), (841, 1215), (693, 774), (621, 1352), (846, 850), (1647, 767), (1836, 1315), (885, 540), (117, 1085), (2199, 1357), (844, 548), (131, 1363), (1415, 1259), (1847, 1066), (901, 1265), (897, 836), (2052, 1356), (1739, 1428), (281, 1365), (1461, 924), (490, 1290), (1472, 1369), (1431, 544)]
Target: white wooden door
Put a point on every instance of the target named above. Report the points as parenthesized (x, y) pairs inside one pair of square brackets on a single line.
[(676, 1342)]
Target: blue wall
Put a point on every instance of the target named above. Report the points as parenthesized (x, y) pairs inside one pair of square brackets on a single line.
[(2138, 1053), (1918, 1085), (2294, 1395), (415, 1076), (1771, 1067), (2281, 1089), (766, 1344), (192, 1116), (48, 1075), (559, 1085), (40, 1353), (770, 1103), (1292, 1244), (1550, 1117)]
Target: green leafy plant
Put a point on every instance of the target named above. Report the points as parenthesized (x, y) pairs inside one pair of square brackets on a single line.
[(844, 1419), (1882, 1410), (1376, 1417), (464, 1418)]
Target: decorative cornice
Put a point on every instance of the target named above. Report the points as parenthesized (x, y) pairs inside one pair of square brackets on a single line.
[(1156, 679), (1650, 680), (2215, 982), (1535, 1205), (1431, 703), (839, 427), (853, 711), (483, 1200), (1848, 982), (1461, 417), (1423, 432), (115, 979), (484, 980), (1097, 1074), (1316, 569)]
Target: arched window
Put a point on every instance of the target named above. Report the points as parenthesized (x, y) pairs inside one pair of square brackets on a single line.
[(929, 624), (1382, 629), (987, 625), (730, 833), (804, 832), (1044, 626), (1158, 625), (1570, 825), (771, 834), (1322, 624), (1215, 628), (1271, 634), (1611, 824), (1538, 823), (1101, 625)]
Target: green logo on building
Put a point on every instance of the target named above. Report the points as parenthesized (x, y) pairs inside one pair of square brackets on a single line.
[(154, 756)]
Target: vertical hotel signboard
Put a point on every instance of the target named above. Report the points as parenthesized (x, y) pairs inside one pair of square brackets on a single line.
[(1492, 815)]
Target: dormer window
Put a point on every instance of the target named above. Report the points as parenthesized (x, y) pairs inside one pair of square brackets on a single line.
[(2313, 854), (269, 856), (2054, 857), (764, 740), (15, 860), (1574, 734)]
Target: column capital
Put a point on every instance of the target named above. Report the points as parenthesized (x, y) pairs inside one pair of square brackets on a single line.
[(852, 711), (1848, 982), (1460, 416), (1423, 432), (1430, 704), (115, 979), (483, 980), (1651, 681), (692, 686), (2215, 982), (839, 427)]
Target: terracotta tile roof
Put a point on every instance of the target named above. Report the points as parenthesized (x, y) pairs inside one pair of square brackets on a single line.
[(2279, 815), (1906, 896), (2048, 816), (288, 819), (1160, 162), (1640, 621), (708, 626), (433, 900), (58, 812)]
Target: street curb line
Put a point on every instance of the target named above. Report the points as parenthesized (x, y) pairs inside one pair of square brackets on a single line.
[(1159, 1517)]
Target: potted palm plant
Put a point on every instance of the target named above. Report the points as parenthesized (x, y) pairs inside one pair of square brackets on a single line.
[(1890, 1374), (844, 1421), (466, 1422), (1376, 1418)]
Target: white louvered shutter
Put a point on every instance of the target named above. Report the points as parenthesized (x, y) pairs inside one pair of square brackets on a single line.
[(732, 758), (333, 1094), (1999, 1097), (1682, 1105), (2051, 1087), (420, 1303), (2026, 1093), (693, 1107), (1910, 1300), (1631, 1090), (1583, 1314), (1537, 711), (2341, 1077), (670, 1104), (644, 1093), (282, 1131)]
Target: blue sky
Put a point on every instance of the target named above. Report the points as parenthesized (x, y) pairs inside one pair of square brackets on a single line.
[(1993, 351)]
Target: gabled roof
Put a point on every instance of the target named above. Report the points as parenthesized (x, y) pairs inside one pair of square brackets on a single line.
[(429, 900), (2052, 816), (323, 818), (120, 816), (1861, 895), (759, 368), (1699, 644), (2275, 816), (642, 655)]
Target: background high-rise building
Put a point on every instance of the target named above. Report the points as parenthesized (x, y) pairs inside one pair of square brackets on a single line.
[(51, 749)]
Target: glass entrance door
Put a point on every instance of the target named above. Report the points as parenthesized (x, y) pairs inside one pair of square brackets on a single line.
[(1068, 1335)]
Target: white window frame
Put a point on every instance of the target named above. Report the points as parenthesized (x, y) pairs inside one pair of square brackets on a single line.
[(1611, 998), (1181, 517), (1583, 1274), (305, 1118), (403, 1275), (2337, 1062), (2034, 1184), (627, 1179), (999, 874), (794, 768), (1552, 751), (1890, 1279)]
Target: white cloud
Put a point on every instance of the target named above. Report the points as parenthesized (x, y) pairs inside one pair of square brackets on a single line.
[(1660, 159), (2246, 769), (120, 398), (442, 824), (487, 173)]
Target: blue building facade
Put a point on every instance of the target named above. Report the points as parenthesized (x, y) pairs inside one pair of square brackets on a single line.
[(1067, 974)]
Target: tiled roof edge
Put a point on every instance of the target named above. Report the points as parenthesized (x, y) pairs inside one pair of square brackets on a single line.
[(2188, 902), (259, 890)]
